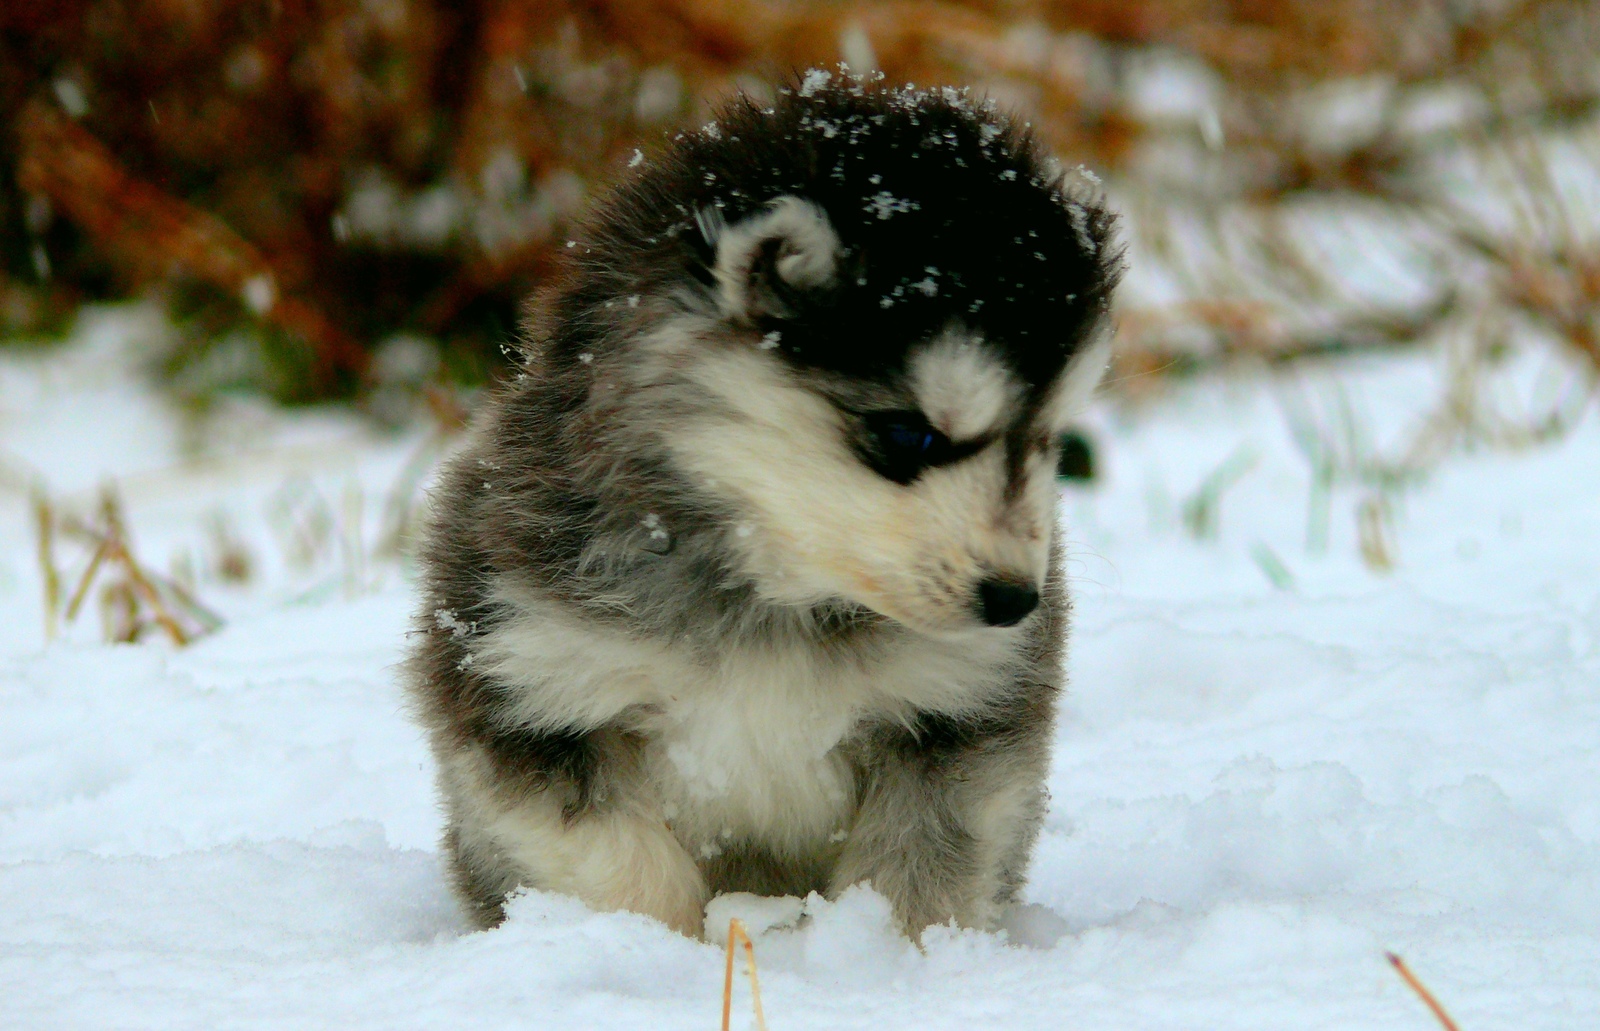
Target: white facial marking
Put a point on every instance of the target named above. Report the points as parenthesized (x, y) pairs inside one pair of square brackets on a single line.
[(1075, 386), (963, 387), (823, 525)]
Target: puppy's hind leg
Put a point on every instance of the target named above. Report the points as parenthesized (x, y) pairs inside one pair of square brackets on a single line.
[(614, 856)]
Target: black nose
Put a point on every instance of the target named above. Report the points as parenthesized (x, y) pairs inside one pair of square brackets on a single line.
[(1006, 602)]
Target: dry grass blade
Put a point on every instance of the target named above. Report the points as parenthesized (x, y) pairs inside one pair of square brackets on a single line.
[(1422, 992), (1200, 512), (80, 592), (737, 935), (727, 977), (137, 590), (117, 540), (45, 522), (1372, 529), (209, 621)]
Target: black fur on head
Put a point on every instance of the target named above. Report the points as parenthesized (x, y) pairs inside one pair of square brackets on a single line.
[(946, 213)]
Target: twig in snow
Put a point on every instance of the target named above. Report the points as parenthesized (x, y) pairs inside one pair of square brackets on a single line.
[(138, 588), (1372, 527), (85, 582), (352, 550), (736, 934), (1405, 975), (44, 522)]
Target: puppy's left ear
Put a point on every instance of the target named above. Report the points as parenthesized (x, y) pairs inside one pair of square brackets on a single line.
[(765, 264)]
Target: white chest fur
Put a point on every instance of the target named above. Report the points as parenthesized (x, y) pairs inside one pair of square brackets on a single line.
[(752, 751), (747, 746)]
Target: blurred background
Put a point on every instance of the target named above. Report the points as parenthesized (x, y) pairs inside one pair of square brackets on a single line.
[(337, 186), (348, 201)]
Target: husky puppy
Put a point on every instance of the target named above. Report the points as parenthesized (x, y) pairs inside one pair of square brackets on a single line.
[(750, 580)]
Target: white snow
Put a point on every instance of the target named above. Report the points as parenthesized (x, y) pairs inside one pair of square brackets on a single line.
[(1256, 791), (814, 80), (883, 204), (1080, 227)]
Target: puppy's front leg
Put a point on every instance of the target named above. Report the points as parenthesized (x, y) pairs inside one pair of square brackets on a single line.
[(944, 833), (613, 855)]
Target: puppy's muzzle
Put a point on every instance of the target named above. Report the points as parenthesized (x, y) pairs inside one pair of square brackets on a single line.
[(1003, 601)]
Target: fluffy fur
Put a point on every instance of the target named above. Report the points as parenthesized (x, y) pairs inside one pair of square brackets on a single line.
[(749, 581)]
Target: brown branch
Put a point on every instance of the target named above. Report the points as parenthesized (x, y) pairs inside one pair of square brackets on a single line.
[(147, 231), (1427, 997)]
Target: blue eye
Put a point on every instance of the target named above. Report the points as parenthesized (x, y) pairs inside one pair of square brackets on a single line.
[(900, 445), (917, 439)]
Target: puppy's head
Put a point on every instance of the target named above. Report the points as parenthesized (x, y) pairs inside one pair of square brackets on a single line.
[(857, 322)]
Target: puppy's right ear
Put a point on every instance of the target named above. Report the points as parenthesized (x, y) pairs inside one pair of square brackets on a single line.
[(764, 264)]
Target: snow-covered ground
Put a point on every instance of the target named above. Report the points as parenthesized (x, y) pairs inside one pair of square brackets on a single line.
[(1273, 765)]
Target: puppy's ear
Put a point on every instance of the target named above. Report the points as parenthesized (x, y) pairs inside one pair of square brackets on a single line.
[(765, 264)]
